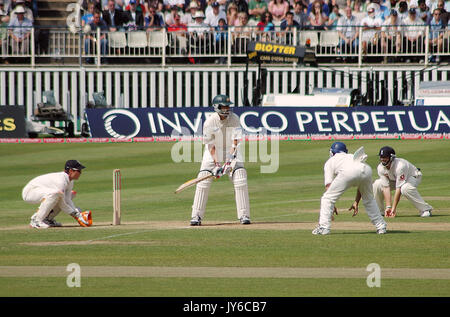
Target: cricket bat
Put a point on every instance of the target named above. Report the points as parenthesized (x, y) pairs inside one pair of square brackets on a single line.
[(197, 180), (192, 182)]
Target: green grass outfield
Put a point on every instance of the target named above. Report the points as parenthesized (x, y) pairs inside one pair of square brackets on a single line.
[(156, 253)]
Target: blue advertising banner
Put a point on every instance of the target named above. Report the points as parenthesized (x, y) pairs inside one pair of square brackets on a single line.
[(148, 122)]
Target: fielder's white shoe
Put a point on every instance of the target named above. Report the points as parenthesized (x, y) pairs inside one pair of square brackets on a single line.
[(382, 230), (196, 221), (245, 220), (426, 213), (52, 223), (320, 231)]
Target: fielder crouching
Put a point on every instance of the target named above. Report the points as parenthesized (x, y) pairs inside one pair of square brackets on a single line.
[(54, 192), (400, 175), (342, 171), (221, 135)]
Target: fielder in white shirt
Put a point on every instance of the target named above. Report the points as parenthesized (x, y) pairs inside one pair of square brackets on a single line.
[(54, 192), (400, 175), (342, 171), (221, 135)]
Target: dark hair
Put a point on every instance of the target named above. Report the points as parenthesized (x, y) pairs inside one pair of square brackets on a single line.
[(263, 16)]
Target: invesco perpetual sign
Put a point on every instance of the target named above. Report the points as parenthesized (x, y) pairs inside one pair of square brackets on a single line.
[(127, 121), (141, 122)]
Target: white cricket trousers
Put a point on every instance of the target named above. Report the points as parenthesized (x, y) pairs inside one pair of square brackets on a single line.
[(359, 176), (409, 190), (239, 180), (48, 198)]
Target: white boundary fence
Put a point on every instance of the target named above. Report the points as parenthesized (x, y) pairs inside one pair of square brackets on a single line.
[(190, 86), (392, 42)]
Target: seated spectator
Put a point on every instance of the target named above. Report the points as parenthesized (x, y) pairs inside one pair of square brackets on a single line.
[(265, 27), (114, 18), (324, 5), (278, 9), (232, 15), (212, 19), (289, 23), (178, 30), (90, 39), (402, 10), (242, 34), (317, 18), (89, 15), (371, 25), (158, 4), (299, 14), (170, 16), (414, 33), (444, 13), (153, 21), (256, 8), (436, 36), (192, 8), (135, 18), (178, 26), (423, 12), (348, 32), (381, 11), (168, 4), (287, 28), (358, 10), (20, 28), (139, 7), (97, 4), (333, 18), (199, 32), (221, 40), (198, 26), (265, 22), (28, 12), (391, 35), (241, 5)]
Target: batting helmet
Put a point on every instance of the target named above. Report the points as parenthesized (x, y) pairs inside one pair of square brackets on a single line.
[(338, 147), (387, 151), (219, 101)]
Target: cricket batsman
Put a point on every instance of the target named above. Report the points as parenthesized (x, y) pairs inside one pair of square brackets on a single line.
[(54, 192), (342, 171), (221, 136), (400, 175)]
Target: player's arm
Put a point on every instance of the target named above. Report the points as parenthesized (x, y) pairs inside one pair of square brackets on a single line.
[(397, 195), (355, 204), (387, 199)]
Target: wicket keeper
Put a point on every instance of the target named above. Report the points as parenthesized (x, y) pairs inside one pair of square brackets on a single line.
[(54, 192)]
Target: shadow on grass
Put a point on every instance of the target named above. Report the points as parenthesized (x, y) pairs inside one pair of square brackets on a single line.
[(373, 232)]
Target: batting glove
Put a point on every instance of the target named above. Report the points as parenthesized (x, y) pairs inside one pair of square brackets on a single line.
[(217, 171)]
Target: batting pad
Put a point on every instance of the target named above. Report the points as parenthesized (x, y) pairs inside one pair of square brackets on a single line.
[(239, 180), (201, 195)]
